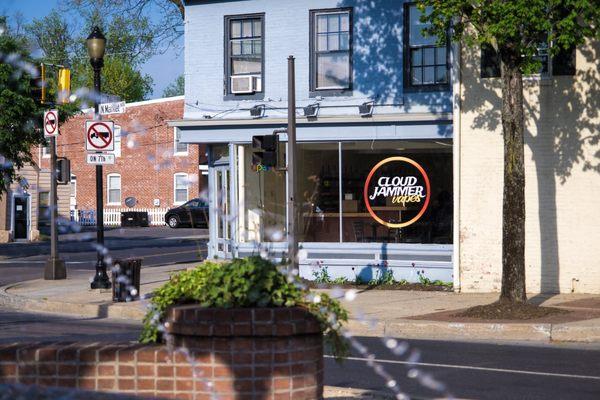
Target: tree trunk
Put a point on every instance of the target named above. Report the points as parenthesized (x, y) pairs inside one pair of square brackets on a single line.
[(513, 205)]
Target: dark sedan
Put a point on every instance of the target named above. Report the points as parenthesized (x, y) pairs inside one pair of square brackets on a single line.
[(194, 213)]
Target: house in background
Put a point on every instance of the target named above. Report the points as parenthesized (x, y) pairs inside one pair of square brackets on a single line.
[(25, 207), (152, 165)]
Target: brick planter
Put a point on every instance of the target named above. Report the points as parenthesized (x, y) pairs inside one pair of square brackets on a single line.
[(269, 353), (226, 354)]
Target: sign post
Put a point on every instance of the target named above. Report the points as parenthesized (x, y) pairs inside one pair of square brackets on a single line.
[(55, 267)]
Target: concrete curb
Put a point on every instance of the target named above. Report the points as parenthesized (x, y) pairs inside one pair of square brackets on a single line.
[(404, 328)]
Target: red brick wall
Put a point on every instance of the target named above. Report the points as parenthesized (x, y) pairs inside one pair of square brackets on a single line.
[(147, 163), (235, 354)]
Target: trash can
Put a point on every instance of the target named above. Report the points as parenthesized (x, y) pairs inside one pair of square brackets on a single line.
[(134, 218), (126, 279)]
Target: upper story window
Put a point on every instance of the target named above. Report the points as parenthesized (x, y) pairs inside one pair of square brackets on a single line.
[(113, 187), (46, 151), (117, 141), (180, 149), (426, 65), (244, 54), (331, 49), (181, 188)]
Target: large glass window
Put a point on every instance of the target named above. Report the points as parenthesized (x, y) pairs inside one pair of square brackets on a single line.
[(318, 187), (331, 49), (262, 196), (427, 62), (434, 225)]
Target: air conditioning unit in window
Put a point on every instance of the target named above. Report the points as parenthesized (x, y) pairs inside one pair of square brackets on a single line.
[(245, 84)]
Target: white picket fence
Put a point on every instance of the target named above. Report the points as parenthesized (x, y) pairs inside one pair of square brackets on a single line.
[(112, 216)]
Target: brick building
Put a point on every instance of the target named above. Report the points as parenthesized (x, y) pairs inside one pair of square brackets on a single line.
[(151, 165)]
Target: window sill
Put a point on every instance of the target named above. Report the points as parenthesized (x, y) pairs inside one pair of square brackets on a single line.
[(542, 80), (427, 88), (330, 93), (238, 97), (181, 154), (114, 204)]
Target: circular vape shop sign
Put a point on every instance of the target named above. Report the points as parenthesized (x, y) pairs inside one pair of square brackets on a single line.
[(397, 183)]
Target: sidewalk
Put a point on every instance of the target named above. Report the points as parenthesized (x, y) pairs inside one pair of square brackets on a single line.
[(373, 312)]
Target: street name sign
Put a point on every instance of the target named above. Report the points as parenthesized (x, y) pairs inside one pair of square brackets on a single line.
[(99, 136), (100, 159), (51, 123), (112, 108)]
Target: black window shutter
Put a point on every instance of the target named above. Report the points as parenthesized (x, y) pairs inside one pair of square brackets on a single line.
[(563, 63), (490, 62)]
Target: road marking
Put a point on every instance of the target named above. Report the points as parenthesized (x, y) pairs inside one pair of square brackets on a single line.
[(509, 371)]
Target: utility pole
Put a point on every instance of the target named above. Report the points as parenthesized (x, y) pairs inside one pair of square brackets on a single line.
[(292, 201), (55, 267)]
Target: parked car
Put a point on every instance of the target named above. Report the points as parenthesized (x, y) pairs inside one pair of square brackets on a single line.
[(194, 213)]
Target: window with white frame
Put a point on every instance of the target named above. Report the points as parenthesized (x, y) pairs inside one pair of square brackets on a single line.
[(181, 188), (117, 135), (180, 149), (113, 184), (46, 151)]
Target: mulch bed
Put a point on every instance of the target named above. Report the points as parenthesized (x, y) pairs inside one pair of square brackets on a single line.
[(394, 286), (503, 312)]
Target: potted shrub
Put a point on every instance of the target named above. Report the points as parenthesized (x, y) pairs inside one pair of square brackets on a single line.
[(248, 328)]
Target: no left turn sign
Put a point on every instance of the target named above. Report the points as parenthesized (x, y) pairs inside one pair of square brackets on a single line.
[(51, 123), (99, 135)]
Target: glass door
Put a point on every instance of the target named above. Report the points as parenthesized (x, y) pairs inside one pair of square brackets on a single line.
[(223, 211)]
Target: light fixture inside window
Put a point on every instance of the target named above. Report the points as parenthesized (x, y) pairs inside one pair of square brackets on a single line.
[(258, 111), (311, 111), (366, 109)]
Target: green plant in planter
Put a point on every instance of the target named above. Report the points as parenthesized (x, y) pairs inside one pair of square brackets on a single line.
[(248, 282)]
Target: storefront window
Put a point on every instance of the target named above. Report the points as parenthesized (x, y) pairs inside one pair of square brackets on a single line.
[(402, 208), (318, 188), (262, 197)]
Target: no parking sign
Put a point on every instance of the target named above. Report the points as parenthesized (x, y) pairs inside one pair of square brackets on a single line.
[(99, 136)]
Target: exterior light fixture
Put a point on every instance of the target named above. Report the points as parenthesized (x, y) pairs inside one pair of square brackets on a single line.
[(366, 109), (311, 111), (258, 111)]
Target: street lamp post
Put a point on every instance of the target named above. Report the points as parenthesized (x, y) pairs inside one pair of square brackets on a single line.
[(96, 44)]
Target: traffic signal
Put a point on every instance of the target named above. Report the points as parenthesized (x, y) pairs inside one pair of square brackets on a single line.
[(64, 86), (63, 171), (38, 84), (264, 150)]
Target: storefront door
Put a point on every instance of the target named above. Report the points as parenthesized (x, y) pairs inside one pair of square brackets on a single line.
[(222, 215), (21, 217)]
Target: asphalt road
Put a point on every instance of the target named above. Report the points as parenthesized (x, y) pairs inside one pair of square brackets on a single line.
[(479, 370), (156, 245), (469, 370)]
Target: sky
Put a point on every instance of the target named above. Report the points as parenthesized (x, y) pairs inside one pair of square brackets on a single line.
[(163, 68)]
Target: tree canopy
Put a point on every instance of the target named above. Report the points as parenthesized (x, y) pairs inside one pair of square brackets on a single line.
[(128, 46), (175, 88), (20, 115)]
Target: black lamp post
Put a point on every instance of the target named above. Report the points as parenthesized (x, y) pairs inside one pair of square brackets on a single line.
[(96, 44)]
